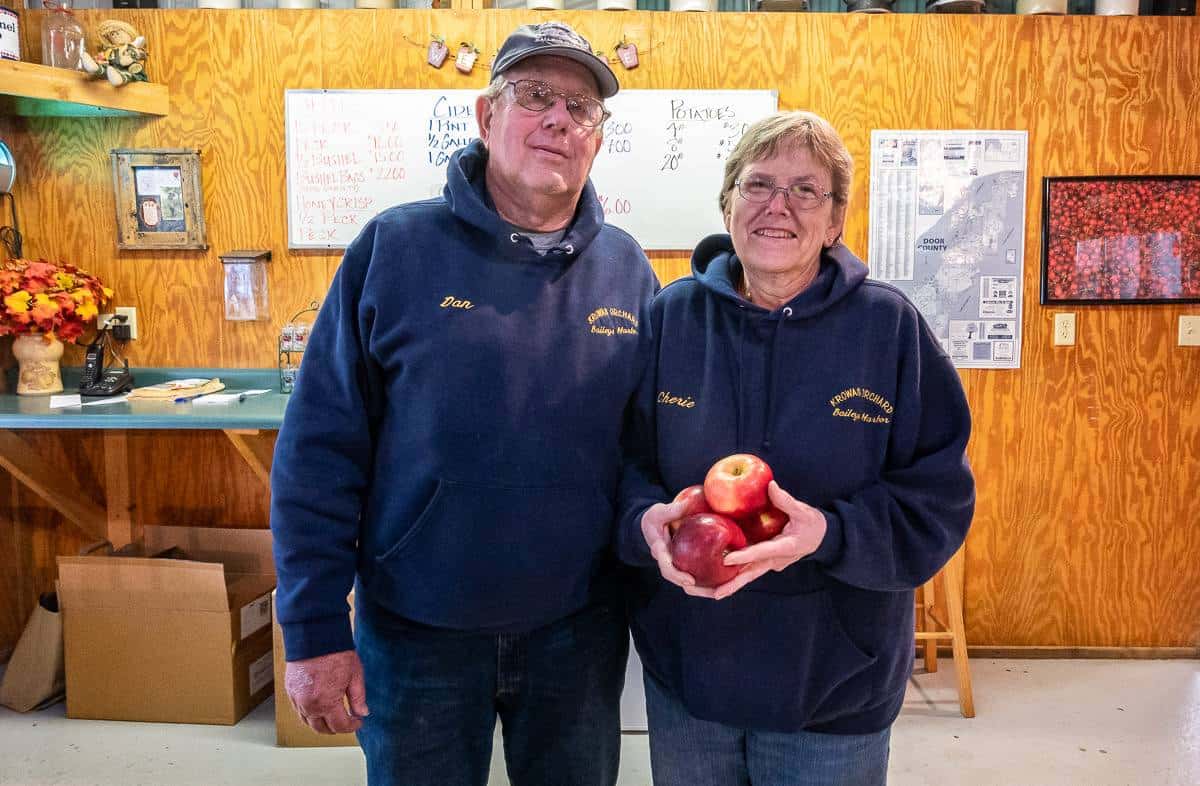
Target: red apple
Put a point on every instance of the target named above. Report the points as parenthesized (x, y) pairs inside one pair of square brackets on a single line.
[(700, 545), (693, 501), (763, 525), (736, 486)]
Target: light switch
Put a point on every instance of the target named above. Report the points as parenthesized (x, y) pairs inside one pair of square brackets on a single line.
[(1189, 331), (1064, 329)]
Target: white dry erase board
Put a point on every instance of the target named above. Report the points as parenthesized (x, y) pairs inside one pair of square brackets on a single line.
[(354, 153)]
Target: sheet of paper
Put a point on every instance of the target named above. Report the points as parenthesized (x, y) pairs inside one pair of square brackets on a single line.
[(176, 384), (92, 402), (59, 402), (218, 398)]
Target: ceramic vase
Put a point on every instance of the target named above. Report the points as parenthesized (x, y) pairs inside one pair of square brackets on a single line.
[(38, 358)]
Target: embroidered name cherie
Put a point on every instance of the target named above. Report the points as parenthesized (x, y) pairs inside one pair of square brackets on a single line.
[(610, 321), (451, 301), (851, 396), (667, 397)]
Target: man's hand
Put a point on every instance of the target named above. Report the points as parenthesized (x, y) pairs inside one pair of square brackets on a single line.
[(800, 537), (658, 538), (320, 688)]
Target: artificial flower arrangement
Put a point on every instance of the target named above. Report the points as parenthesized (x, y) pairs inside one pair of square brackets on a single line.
[(48, 298)]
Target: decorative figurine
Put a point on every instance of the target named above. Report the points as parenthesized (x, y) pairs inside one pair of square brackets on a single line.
[(121, 54)]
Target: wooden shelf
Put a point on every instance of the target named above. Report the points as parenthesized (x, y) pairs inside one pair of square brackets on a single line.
[(41, 91)]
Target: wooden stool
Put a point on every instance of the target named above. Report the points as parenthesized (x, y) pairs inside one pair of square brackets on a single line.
[(931, 627)]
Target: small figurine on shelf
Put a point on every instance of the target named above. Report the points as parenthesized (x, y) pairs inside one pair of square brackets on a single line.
[(121, 54)]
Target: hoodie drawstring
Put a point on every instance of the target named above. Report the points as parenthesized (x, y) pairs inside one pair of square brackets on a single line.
[(772, 370), (737, 375)]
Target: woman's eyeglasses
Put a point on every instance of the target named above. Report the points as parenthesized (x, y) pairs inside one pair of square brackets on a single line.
[(801, 195), (538, 97)]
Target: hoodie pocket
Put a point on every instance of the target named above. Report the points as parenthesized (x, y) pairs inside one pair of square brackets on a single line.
[(768, 661), (484, 556)]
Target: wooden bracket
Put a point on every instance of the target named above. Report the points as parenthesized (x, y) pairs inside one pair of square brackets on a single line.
[(256, 448), (19, 458)]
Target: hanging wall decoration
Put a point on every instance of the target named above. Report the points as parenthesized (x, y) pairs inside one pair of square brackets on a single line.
[(465, 60), (1127, 239), (159, 202), (627, 54), (437, 52)]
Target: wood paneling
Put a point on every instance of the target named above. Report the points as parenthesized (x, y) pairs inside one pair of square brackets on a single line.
[(1087, 534), (34, 533)]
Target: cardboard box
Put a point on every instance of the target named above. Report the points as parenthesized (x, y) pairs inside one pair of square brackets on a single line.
[(290, 731), (170, 640)]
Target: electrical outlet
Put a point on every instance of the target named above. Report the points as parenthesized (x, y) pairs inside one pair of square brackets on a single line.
[(1189, 331), (130, 314), (1064, 329)]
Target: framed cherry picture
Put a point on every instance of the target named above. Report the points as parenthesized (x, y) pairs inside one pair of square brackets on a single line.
[(1126, 239)]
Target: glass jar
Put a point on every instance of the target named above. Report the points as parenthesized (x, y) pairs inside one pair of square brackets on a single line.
[(62, 36)]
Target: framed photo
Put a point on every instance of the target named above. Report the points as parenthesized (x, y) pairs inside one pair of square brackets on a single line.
[(159, 201), (1127, 239)]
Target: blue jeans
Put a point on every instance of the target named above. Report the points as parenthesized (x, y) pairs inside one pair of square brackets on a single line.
[(435, 694), (687, 751)]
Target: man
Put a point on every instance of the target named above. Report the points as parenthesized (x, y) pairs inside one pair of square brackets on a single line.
[(452, 449)]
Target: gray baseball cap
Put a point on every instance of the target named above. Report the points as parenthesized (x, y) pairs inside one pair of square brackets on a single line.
[(554, 38)]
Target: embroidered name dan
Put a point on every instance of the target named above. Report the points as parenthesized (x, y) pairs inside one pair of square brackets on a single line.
[(450, 301), (862, 406), (610, 321), (667, 397)]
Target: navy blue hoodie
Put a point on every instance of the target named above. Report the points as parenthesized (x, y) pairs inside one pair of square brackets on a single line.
[(454, 435), (847, 395)]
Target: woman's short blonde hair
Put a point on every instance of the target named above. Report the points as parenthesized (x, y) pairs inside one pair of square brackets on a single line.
[(787, 130)]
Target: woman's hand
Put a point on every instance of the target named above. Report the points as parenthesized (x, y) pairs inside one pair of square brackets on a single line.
[(800, 537), (655, 523)]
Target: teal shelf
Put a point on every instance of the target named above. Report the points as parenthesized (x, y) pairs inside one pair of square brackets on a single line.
[(264, 411)]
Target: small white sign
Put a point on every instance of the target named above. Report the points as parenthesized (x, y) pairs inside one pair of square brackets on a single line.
[(255, 615), (262, 672), (69, 400)]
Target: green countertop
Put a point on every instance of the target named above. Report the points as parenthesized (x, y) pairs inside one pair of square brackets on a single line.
[(264, 411)]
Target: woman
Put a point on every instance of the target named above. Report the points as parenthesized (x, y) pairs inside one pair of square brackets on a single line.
[(793, 671)]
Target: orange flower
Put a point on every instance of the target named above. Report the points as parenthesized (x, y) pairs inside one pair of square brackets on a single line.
[(18, 302), (44, 297), (87, 311), (44, 308), (9, 281)]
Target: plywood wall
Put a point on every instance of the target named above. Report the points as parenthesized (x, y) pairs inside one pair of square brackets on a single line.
[(1088, 458)]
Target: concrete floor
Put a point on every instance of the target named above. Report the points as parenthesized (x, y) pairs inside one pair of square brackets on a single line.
[(1086, 722)]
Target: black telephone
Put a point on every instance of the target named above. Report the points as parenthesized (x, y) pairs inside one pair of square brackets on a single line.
[(98, 381)]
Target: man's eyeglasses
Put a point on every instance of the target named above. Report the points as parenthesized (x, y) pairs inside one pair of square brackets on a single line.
[(538, 97), (802, 196)]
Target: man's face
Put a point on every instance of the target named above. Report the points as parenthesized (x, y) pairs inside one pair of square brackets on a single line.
[(544, 152)]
